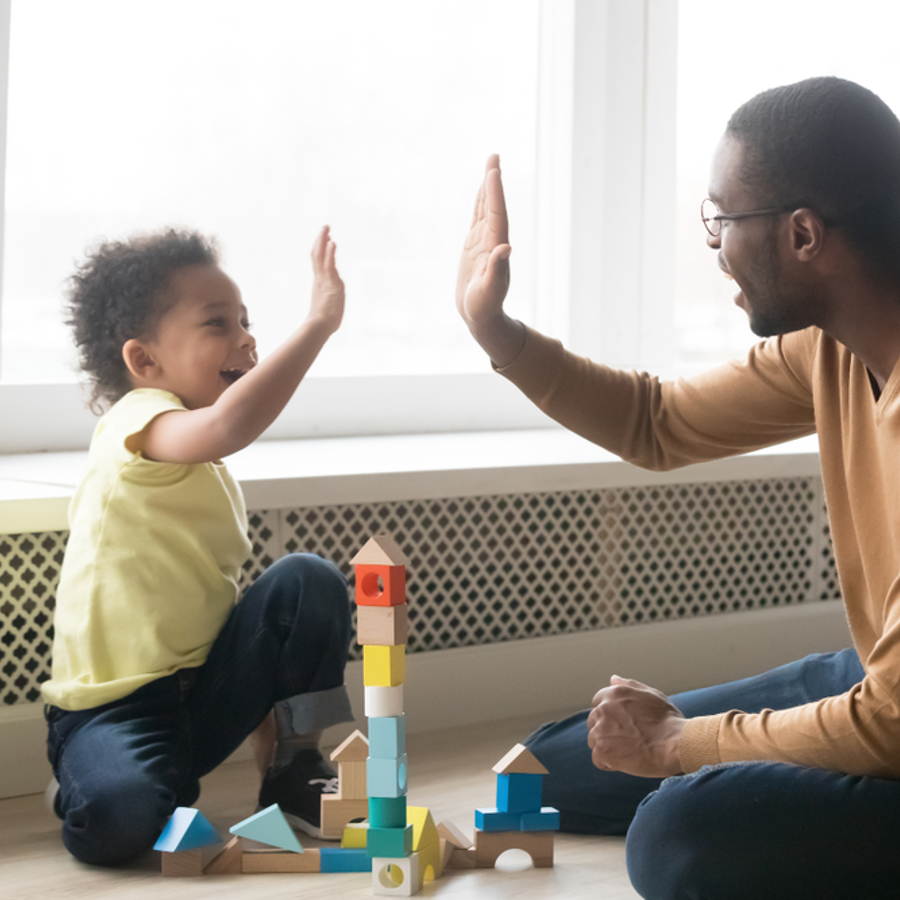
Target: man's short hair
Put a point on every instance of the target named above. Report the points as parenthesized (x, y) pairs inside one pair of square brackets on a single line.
[(832, 146)]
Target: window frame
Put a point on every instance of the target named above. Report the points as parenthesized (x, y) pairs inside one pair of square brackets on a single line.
[(604, 228)]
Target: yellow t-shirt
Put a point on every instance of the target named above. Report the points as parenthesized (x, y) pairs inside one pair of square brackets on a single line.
[(151, 567)]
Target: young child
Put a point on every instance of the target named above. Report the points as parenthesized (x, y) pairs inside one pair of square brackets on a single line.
[(159, 673)]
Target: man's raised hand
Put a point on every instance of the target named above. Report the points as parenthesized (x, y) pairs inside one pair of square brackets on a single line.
[(483, 278)]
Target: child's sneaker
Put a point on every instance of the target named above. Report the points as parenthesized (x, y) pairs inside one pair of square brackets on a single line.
[(297, 788)]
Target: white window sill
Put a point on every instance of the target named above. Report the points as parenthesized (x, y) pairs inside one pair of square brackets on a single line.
[(35, 488)]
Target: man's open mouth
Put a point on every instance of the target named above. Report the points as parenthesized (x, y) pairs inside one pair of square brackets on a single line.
[(231, 375)]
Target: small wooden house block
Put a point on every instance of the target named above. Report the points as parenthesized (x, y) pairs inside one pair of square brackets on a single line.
[(350, 757), (384, 666), (382, 625)]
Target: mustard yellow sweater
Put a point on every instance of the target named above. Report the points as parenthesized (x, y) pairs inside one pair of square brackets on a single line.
[(787, 387)]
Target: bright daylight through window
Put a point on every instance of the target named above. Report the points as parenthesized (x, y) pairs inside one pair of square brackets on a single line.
[(727, 52), (257, 123)]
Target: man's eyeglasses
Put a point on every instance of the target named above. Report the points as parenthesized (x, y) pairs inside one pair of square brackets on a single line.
[(712, 218)]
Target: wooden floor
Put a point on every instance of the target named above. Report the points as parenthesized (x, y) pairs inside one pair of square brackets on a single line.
[(450, 772)]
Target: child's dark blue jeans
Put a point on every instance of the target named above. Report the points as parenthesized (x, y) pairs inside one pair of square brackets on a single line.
[(743, 831), (123, 767)]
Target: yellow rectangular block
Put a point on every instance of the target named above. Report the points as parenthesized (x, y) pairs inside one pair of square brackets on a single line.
[(355, 834), (384, 666)]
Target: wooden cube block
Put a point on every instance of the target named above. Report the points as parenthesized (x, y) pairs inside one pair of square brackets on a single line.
[(386, 777), (181, 863), (384, 666), (382, 624), (336, 813), (398, 876), (380, 585), (387, 736)]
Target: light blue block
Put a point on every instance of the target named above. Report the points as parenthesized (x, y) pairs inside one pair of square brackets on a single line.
[(269, 827), (519, 792), (493, 819), (386, 778), (333, 859), (387, 736), (187, 829), (545, 820)]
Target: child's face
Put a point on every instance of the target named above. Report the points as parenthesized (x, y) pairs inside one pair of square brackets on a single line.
[(202, 343)]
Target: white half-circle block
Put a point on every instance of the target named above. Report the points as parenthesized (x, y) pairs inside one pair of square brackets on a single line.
[(384, 701)]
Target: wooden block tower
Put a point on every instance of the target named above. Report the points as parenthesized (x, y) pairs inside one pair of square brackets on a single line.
[(381, 611)]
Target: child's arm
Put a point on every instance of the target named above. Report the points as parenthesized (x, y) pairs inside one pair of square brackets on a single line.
[(252, 403)]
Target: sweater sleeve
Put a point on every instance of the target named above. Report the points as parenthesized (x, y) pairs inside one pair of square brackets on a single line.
[(742, 406), (857, 732)]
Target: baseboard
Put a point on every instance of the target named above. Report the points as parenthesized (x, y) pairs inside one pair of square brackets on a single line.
[(468, 685)]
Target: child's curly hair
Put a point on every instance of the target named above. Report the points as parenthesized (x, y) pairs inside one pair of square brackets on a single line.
[(119, 293)]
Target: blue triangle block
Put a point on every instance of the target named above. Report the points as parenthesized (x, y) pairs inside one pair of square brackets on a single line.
[(187, 829), (269, 827)]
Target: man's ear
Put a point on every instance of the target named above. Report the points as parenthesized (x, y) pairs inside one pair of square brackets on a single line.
[(807, 234), (139, 362)]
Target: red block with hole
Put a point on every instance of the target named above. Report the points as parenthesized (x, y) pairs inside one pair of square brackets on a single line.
[(380, 585)]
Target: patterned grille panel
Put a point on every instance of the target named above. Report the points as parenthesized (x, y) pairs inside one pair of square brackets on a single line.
[(499, 568)]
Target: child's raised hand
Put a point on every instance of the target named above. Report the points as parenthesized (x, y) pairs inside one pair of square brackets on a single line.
[(328, 290)]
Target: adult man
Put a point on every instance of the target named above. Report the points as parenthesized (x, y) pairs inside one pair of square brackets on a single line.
[(797, 794)]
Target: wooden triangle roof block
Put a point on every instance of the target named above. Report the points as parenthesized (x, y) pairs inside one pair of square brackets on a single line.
[(354, 749), (520, 760), (380, 550)]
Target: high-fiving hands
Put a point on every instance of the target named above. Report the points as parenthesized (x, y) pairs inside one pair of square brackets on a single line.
[(634, 728), (484, 273)]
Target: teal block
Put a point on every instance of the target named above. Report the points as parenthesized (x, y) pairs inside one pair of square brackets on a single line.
[(386, 778), (335, 859), (389, 842), (387, 812), (519, 792), (269, 827), (186, 829), (387, 736), (545, 820), (493, 819)]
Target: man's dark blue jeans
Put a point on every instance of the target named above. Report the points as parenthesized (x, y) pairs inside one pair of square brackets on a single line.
[(124, 767), (756, 830)]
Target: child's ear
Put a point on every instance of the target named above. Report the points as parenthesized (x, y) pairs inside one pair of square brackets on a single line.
[(138, 360)]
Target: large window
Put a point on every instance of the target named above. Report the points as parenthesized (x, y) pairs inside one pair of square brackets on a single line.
[(727, 53), (259, 122)]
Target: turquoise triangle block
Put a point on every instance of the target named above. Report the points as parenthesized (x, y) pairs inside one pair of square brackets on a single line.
[(186, 830), (269, 827)]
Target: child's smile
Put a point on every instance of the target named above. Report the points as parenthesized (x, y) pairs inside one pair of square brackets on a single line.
[(202, 343)]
